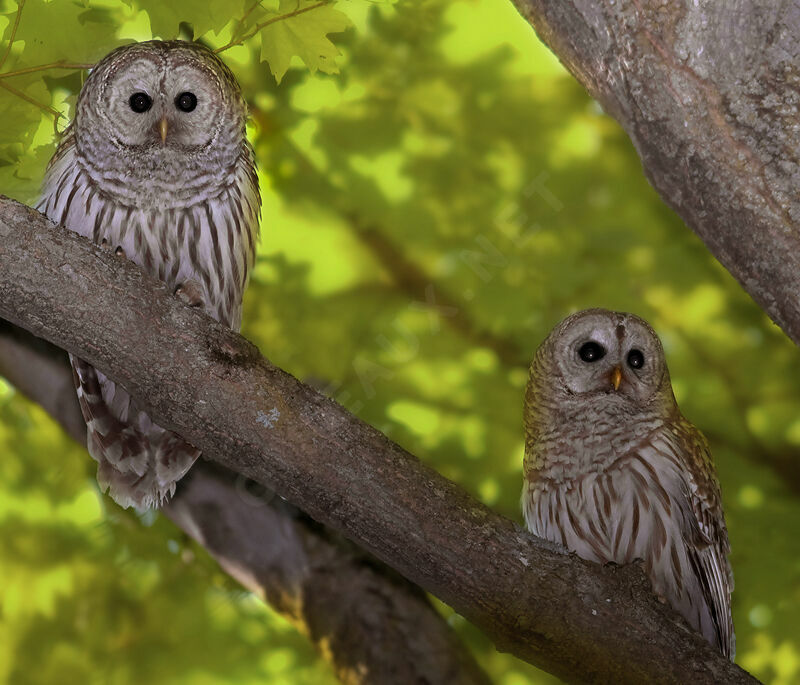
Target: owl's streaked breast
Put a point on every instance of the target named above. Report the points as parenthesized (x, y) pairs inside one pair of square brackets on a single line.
[(633, 508), (211, 241)]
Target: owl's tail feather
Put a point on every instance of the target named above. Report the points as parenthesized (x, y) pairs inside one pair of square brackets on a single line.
[(137, 467)]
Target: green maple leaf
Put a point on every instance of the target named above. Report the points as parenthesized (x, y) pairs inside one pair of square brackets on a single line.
[(63, 30), (304, 35), (211, 15)]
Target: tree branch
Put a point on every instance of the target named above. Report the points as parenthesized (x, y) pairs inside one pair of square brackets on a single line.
[(576, 619), (708, 93), (371, 625), (252, 31)]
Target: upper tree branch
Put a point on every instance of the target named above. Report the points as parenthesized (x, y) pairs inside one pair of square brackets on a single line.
[(708, 93), (574, 618)]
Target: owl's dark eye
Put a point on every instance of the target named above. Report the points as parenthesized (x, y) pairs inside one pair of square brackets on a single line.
[(591, 351), (140, 102), (635, 359), (186, 102)]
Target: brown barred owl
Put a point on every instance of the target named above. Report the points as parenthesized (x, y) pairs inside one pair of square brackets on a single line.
[(156, 167), (615, 473)]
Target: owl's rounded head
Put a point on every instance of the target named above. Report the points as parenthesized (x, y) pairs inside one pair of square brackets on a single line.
[(598, 352), (159, 98)]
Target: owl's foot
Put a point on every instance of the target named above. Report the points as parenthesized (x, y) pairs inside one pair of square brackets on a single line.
[(107, 247), (190, 293)]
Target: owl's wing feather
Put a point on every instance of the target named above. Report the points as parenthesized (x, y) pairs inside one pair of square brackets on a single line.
[(138, 462), (717, 589), (709, 549)]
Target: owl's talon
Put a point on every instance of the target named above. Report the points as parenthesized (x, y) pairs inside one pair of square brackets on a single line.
[(105, 245), (190, 293), (119, 252)]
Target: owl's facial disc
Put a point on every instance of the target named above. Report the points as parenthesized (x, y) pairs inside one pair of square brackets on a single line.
[(609, 354), (152, 101)]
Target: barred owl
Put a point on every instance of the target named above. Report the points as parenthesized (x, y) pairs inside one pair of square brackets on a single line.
[(615, 473), (156, 167)]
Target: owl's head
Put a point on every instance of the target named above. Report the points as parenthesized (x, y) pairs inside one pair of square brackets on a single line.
[(156, 100), (601, 355)]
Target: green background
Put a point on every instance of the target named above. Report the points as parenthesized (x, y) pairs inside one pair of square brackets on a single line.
[(443, 157)]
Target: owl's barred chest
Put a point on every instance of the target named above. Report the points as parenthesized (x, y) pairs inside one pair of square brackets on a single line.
[(574, 446), (610, 503), (209, 244)]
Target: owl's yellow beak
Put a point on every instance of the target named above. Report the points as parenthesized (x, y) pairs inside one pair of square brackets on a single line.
[(616, 377), (162, 129)]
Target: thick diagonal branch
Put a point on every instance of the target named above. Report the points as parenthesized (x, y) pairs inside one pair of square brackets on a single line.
[(573, 618), (708, 93), (371, 625)]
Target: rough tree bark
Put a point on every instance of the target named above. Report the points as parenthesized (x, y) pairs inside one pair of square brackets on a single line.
[(370, 624), (578, 620), (709, 93)]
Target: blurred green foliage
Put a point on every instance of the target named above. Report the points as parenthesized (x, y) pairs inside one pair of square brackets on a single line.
[(435, 199)]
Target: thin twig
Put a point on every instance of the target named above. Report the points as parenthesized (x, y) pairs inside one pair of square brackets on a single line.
[(43, 67), (249, 11), (240, 23), (20, 5), (46, 108), (264, 24)]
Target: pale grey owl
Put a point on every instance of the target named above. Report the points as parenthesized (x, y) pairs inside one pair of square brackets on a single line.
[(156, 167), (615, 473)]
